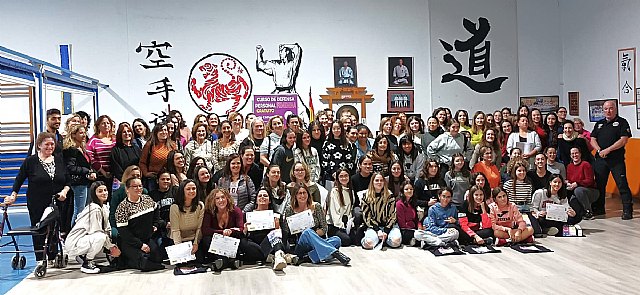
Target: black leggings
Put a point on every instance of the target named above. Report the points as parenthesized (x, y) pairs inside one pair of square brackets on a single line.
[(248, 251), (465, 239), (345, 239), (137, 259), (407, 235)]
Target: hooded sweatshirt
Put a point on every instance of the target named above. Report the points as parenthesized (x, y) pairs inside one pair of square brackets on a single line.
[(445, 146), (436, 221), (93, 219)]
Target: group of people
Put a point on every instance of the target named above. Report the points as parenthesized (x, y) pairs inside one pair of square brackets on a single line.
[(443, 181)]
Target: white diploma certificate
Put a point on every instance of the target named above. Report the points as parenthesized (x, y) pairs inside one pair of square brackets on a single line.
[(224, 246), (180, 253), (556, 212), (258, 220), (301, 221)]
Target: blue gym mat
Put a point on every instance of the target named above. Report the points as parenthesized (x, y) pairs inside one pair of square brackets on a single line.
[(8, 276)]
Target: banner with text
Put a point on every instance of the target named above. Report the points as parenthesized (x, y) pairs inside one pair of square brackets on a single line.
[(267, 106)]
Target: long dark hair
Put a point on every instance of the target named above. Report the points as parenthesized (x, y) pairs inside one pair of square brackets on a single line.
[(486, 188), (562, 193), (147, 133), (94, 195), (179, 198), (227, 166), (339, 187), (452, 167), (414, 151), (343, 137), (192, 166), (171, 166)]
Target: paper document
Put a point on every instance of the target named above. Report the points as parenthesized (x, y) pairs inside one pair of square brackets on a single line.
[(301, 221), (556, 212), (180, 253), (258, 220), (223, 245)]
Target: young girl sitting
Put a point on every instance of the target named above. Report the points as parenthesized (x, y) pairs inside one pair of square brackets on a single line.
[(555, 193), (406, 213), (506, 220), (440, 222), (457, 178), (473, 216), (339, 207)]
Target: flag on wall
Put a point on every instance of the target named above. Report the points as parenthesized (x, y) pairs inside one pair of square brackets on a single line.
[(311, 110)]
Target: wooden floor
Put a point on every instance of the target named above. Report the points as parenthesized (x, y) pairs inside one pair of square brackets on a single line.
[(605, 262)]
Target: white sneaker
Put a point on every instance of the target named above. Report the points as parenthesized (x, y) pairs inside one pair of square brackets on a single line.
[(412, 242), (89, 267), (279, 263)]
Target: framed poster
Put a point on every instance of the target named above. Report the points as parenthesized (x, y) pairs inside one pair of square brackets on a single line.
[(627, 76), (345, 71), (596, 112), (400, 71), (399, 101), (546, 104), (574, 103)]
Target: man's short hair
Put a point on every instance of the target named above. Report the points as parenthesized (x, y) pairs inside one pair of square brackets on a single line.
[(51, 112)]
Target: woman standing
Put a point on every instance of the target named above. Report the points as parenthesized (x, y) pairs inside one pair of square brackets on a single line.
[(199, 146), (337, 153), (381, 155), (433, 131), (212, 120), (552, 128), (479, 125), (283, 155), (448, 144), (489, 139), (411, 157), (47, 177), (182, 125), (571, 139), (309, 243), (529, 141), (186, 215), (428, 185), (505, 131), (487, 167), (204, 183), (99, 149), (124, 153), (538, 127), (275, 128), (396, 179), (78, 167), (318, 136), (142, 133), (250, 168), (415, 128), (255, 138), (237, 126), (379, 212), (462, 116), (240, 187), (457, 178), (154, 155), (307, 154), (224, 146)]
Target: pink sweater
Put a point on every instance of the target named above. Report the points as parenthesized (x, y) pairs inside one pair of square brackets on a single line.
[(100, 153), (503, 218)]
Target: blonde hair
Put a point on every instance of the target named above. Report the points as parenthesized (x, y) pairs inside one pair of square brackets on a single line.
[(69, 140), (371, 191), (210, 202)]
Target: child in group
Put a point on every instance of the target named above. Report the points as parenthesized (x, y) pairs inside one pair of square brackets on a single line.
[(339, 208), (407, 215), (506, 220), (473, 216), (457, 178), (440, 222)]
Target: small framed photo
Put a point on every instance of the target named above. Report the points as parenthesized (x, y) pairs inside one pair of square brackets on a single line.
[(345, 71), (546, 104), (596, 111), (400, 70), (400, 101)]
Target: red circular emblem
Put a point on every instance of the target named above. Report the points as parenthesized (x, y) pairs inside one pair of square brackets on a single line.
[(219, 81)]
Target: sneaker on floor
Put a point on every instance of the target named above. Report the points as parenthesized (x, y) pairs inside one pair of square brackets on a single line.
[(291, 258), (81, 259), (588, 215), (627, 215), (553, 231), (89, 267), (502, 242), (279, 263), (270, 258), (412, 242), (488, 241)]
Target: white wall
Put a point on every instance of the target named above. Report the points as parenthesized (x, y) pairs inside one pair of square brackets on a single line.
[(592, 33), (104, 35)]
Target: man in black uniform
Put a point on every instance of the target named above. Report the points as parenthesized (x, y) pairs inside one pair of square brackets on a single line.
[(608, 138)]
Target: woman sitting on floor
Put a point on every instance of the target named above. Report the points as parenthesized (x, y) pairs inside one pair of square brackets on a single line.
[(473, 216), (186, 216), (407, 215), (379, 212), (340, 206), (310, 244)]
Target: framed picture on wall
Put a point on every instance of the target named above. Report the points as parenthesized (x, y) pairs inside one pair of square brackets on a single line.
[(627, 76), (400, 70), (546, 104), (345, 71), (399, 101), (596, 111)]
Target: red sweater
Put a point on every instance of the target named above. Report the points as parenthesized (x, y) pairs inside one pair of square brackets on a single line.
[(473, 221), (406, 214), (210, 224), (581, 174)]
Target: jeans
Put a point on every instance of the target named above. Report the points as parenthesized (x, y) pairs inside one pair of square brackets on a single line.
[(586, 196), (79, 200), (371, 239), (436, 240), (618, 169), (318, 249)]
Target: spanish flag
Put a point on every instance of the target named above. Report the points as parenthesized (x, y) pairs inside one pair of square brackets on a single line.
[(311, 111)]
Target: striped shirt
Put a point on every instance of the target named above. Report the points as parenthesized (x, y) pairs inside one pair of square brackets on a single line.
[(100, 153), (522, 193), (379, 213)]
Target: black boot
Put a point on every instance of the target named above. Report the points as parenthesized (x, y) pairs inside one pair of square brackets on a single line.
[(344, 259)]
